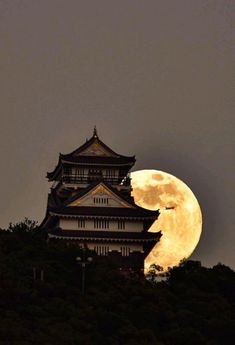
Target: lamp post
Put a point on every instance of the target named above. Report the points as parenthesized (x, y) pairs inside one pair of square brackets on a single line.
[(82, 261)]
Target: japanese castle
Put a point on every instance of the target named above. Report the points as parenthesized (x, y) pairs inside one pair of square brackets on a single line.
[(90, 203)]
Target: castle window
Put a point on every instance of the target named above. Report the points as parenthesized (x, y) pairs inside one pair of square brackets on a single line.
[(81, 223), (110, 173), (104, 201), (94, 174), (77, 175), (121, 224), (79, 172), (101, 250), (125, 251), (101, 224)]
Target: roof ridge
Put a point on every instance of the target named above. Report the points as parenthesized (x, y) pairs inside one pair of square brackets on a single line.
[(88, 142)]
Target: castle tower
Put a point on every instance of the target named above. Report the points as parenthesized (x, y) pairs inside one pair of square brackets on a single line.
[(90, 203)]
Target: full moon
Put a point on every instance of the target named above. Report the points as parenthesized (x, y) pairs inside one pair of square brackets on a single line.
[(180, 218)]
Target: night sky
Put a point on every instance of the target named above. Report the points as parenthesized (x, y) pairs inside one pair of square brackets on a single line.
[(155, 77)]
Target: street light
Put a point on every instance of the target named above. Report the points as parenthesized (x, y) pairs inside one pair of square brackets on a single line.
[(83, 262)]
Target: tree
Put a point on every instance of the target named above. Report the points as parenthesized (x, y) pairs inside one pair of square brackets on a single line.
[(195, 305), (154, 271), (27, 225)]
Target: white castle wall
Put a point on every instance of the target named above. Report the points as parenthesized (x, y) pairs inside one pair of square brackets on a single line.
[(103, 249), (72, 224)]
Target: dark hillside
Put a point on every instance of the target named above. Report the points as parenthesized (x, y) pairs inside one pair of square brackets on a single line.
[(41, 301)]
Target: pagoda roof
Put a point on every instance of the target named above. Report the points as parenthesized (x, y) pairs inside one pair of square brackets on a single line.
[(97, 235), (110, 212), (92, 152), (130, 211), (102, 181), (68, 159)]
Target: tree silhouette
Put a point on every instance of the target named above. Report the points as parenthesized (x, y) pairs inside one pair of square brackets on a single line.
[(193, 305)]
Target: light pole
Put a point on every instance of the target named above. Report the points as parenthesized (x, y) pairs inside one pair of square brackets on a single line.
[(82, 261)]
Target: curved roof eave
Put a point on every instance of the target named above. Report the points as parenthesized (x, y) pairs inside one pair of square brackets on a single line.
[(95, 138)]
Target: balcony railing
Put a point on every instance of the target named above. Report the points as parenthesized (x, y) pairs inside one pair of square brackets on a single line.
[(74, 179)]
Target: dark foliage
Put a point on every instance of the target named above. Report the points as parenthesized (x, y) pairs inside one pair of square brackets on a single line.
[(41, 302)]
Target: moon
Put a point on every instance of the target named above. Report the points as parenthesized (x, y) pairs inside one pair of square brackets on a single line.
[(180, 218)]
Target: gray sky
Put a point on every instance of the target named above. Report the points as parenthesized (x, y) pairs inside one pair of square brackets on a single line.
[(156, 77)]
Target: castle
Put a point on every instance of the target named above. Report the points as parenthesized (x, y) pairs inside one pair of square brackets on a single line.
[(90, 204)]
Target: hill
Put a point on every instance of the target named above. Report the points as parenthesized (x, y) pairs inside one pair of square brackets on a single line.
[(41, 302)]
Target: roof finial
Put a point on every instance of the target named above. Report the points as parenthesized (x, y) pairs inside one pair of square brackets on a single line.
[(95, 135)]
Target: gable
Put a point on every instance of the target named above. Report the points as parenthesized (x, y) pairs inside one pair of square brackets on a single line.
[(101, 196), (97, 149)]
